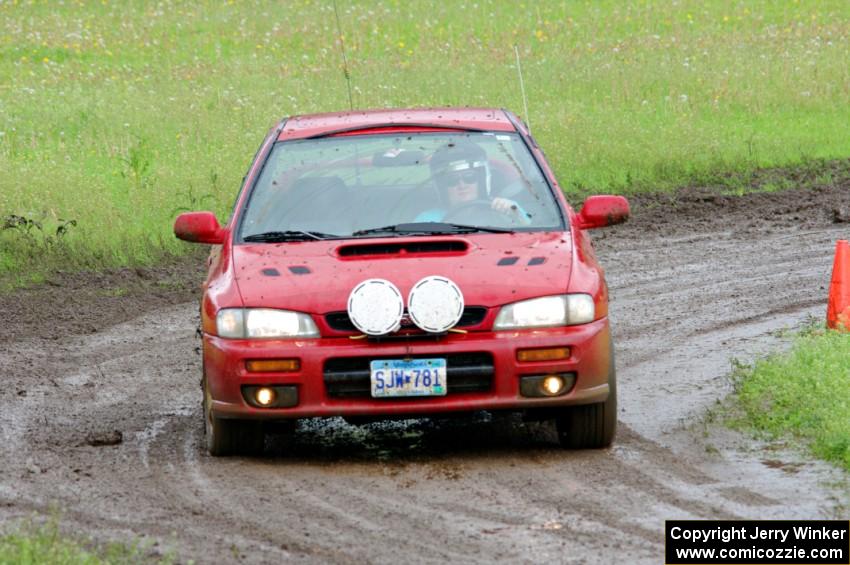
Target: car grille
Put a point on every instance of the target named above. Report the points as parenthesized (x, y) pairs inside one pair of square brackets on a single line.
[(349, 377), (472, 316)]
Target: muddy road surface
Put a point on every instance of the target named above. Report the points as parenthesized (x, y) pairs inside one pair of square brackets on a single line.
[(100, 415)]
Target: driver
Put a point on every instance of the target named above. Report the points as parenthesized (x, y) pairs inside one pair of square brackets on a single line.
[(462, 176)]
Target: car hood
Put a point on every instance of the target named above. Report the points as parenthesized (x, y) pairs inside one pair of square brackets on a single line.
[(317, 276)]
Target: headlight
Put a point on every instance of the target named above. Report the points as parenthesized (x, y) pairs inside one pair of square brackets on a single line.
[(264, 323), (562, 310)]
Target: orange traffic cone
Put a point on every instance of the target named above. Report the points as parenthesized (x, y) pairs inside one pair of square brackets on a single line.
[(838, 309)]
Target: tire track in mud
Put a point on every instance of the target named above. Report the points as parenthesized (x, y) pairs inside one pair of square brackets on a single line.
[(470, 490)]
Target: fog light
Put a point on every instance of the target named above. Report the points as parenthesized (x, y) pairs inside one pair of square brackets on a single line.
[(272, 365), (264, 396), (548, 354), (270, 396), (547, 385), (552, 385)]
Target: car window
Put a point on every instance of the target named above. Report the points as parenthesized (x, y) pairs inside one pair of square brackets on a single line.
[(342, 185)]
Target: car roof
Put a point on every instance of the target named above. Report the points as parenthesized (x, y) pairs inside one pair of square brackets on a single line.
[(316, 125)]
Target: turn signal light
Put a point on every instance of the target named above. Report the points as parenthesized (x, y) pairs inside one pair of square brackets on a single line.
[(272, 365), (549, 354)]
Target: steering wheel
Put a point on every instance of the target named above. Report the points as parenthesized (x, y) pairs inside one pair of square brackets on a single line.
[(478, 212)]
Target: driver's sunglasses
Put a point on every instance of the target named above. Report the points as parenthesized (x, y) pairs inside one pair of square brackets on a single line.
[(454, 178)]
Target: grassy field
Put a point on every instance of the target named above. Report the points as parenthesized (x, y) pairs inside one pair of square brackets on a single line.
[(803, 394), (115, 116)]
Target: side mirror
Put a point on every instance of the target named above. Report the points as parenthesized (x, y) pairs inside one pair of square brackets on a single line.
[(601, 211), (198, 227)]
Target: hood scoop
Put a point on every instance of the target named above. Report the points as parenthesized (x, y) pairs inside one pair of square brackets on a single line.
[(447, 247)]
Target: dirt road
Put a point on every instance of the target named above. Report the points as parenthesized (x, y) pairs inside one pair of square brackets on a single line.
[(100, 416)]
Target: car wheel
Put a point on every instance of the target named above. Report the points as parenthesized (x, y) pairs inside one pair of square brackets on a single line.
[(230, 437), (591, 426)]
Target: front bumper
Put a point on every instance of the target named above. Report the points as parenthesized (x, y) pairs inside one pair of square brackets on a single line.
[(226, 373)]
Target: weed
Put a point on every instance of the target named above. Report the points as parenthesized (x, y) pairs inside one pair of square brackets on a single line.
[(34, 232), (64, 226), (20, 223), (28, 241), (137, 165), (193, 201)]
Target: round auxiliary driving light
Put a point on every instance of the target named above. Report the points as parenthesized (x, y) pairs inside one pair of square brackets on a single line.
[(375, 307), (435, 304)]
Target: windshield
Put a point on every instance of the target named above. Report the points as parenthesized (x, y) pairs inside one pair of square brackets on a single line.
[(368, 185)]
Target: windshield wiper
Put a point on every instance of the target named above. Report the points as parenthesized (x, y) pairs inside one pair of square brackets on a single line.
[(430, 228), (397, 228), (289, 235), (463, 228)]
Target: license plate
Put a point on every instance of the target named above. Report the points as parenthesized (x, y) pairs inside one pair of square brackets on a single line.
[(415, 377)]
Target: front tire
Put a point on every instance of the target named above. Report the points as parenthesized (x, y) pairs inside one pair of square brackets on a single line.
[(591, 426), (230, 437)]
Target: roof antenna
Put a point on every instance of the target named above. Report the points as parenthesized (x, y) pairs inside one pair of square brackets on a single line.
[(521, 87), (344, 60)]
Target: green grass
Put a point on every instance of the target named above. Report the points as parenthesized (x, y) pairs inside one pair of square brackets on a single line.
[(36, 544), (117, 115), (803, 394)]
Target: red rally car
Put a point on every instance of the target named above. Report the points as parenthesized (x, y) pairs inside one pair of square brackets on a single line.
[(404, 263)]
